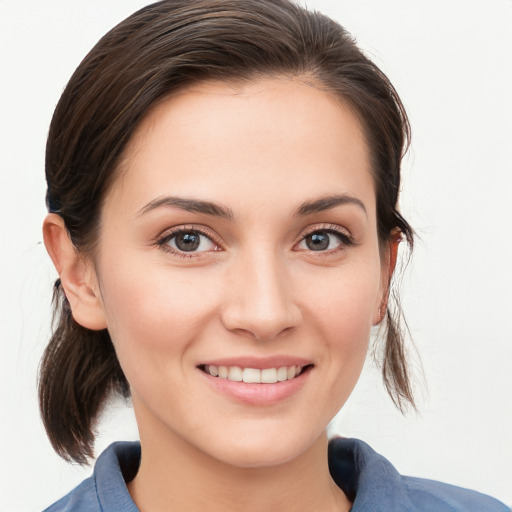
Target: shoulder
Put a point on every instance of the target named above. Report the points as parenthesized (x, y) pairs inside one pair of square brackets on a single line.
[(432, 495), (105, 490), (82, 498), (373, 483)]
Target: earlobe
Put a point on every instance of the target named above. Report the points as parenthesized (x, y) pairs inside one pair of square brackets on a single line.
[(77, 275), (389, 265)]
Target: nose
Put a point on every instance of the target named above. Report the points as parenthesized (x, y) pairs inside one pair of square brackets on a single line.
[(260, 302)]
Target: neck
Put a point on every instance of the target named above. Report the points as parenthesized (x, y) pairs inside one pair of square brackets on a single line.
[(180, 477)]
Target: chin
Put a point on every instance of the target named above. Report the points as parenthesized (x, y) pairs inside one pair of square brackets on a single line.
[(257, 451)]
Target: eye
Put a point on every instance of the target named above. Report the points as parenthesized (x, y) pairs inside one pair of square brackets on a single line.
[(187, 241), (324, 240)]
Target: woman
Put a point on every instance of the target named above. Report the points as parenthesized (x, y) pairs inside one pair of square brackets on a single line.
[(222, 186)]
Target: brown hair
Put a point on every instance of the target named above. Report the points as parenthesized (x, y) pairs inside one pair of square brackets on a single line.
[(157, 51)]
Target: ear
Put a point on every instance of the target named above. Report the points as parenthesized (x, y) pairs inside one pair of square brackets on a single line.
[(388, 267), (77, 274)]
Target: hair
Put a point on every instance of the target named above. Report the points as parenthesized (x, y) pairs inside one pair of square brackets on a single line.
[(161, 49)]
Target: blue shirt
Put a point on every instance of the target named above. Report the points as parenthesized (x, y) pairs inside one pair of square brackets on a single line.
[(367, 478)]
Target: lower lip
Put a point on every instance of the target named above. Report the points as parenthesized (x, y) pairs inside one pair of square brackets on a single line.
[(258, 394)]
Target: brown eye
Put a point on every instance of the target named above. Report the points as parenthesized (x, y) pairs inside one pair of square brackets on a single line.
[(188, 241)]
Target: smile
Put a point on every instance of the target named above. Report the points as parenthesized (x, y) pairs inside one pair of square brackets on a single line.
[(254, 375)]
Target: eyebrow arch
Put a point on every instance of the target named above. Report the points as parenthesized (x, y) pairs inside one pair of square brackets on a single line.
[(189, 205), (328, 202)]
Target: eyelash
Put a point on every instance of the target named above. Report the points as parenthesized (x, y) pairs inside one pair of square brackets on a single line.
[(343, 236), (163, 242)]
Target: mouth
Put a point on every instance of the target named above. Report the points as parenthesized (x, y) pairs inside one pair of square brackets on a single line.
[(255, 375)]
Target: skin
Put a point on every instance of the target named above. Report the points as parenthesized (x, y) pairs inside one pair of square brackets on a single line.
[(253, 289)]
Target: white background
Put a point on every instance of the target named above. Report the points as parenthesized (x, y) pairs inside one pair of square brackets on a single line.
[(450, 61)]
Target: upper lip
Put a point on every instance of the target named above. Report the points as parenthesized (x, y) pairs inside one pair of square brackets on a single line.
[(260, 363)]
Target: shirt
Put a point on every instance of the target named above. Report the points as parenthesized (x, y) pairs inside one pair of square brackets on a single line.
[(367, 478)]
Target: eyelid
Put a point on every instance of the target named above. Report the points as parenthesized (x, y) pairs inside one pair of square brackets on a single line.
[(346, 239), (163, 239), (326, 227)]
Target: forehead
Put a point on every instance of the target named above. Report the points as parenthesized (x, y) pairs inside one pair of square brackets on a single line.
[(272, 138)]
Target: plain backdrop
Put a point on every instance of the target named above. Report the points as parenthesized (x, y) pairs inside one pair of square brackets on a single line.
[(450, 62)]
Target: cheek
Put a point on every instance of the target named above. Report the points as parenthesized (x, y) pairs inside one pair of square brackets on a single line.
[(338, 307), (342, 313), (344, 303), (153, 313)]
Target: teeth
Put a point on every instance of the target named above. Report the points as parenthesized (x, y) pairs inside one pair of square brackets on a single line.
[(282, 373), (253, 375), (269, 376), (235, 373)]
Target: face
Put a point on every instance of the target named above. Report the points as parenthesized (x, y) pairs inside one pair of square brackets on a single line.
[(240, 239)]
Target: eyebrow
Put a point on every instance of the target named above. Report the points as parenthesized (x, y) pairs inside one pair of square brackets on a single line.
[(326, 203), (189, 205), (209, 208)]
